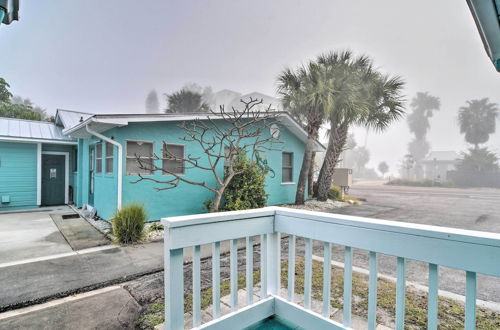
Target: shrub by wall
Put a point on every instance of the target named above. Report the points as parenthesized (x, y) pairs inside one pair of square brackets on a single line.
[(128, 223), (247, 189)]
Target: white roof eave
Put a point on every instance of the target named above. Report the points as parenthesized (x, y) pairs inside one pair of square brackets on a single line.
[(104, 123)]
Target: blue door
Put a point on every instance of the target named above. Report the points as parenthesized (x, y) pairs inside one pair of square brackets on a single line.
[(53, 180)]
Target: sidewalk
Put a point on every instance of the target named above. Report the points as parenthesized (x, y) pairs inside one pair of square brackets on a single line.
[(37, 282)]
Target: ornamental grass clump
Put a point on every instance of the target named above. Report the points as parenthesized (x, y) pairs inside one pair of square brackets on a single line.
[(128, 223)]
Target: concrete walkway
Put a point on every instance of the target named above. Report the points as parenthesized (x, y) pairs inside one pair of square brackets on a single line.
[(36, 282), (78, 232), (107, 308)]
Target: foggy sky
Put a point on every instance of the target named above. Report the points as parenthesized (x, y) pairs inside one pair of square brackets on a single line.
[(105, 56)]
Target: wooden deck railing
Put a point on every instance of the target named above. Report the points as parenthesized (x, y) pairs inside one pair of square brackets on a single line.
[(474, 252)]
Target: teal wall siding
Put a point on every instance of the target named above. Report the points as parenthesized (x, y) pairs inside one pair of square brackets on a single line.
[(184, 199), (18, 169)]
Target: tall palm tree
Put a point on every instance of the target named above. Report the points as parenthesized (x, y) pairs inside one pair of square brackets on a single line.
[(364, 97), (477, 121), (306, 94)]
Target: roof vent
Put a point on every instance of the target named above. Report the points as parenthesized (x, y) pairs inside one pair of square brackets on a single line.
[(81, 119)]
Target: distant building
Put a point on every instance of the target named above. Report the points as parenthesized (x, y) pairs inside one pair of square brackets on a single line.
[(267, 101), (438, 163), (225, 97), (230, 98)]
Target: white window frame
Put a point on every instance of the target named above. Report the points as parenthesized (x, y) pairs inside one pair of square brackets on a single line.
[(127, 157), (98, 158), (290, 167), (109, 171), (165, 159)]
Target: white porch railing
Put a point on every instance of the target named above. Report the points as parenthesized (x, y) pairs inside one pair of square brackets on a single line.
[(474, 252)]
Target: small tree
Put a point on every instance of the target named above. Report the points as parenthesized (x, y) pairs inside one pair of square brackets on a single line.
[(222, 136), (247, 189), (407, 164), (383, 168)]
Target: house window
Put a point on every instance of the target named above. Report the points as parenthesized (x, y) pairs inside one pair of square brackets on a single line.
[(109, 158), (287, 167), (172, 158), (98, 157), (143, 150)]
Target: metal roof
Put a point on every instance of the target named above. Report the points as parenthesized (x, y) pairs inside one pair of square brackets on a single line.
[(21, 129), (70, 118)]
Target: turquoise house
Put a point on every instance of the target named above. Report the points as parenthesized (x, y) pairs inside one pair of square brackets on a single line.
[(89, 159)]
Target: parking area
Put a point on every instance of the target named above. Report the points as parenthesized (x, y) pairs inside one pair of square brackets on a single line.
[(28, 235)]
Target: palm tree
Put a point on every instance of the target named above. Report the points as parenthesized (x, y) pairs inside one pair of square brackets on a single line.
[(306, 94), (186, 101), (362, 96), (477, 121), (423, 105)]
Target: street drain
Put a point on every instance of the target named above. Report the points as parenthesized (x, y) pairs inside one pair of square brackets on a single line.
[(70, 216)]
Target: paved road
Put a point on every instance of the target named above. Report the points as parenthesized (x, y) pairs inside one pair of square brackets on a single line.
[(473, 209)]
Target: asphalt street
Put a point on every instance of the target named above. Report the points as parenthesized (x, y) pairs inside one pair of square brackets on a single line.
[(472, 209)]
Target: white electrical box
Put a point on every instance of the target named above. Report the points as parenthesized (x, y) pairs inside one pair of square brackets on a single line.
[(342, 177)]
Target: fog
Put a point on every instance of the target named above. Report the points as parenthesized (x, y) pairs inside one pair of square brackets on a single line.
[(106, 56)]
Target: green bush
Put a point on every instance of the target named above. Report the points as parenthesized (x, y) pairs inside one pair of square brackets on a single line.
[(156, 226), (335, 193), (128, 223), (247, 189)]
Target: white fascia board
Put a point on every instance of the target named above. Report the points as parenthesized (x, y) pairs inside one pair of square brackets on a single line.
[(120, 120), (28, 140)]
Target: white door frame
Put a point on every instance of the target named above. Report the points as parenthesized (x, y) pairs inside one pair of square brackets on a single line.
[(66, 174)]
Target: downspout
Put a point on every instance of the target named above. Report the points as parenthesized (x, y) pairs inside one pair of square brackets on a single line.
[(120, 162)]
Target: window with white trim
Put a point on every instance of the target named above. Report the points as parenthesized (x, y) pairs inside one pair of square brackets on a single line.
[(98, 157), (109, 157), (172, 158), (143, 151), (287, 167)]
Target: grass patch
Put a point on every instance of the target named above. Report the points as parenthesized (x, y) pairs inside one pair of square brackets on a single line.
[(450, 312), (154, 313)]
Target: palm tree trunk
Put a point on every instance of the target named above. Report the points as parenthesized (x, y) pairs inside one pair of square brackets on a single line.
[(336, 143), (310, 176), (306, 163)]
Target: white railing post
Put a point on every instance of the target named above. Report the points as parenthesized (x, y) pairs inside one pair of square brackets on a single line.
[(273, 263), (174, 286)]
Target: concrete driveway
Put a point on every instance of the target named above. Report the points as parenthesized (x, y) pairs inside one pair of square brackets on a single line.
[(28, 235)]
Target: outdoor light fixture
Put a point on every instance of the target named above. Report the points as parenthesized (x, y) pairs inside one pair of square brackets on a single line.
[(9, 11)]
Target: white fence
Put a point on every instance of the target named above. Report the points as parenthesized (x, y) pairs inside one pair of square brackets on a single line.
[(474, 252)]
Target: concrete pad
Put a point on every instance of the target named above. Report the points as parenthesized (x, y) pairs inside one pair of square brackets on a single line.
[(26, 235), (78, 232), (114, 309)]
